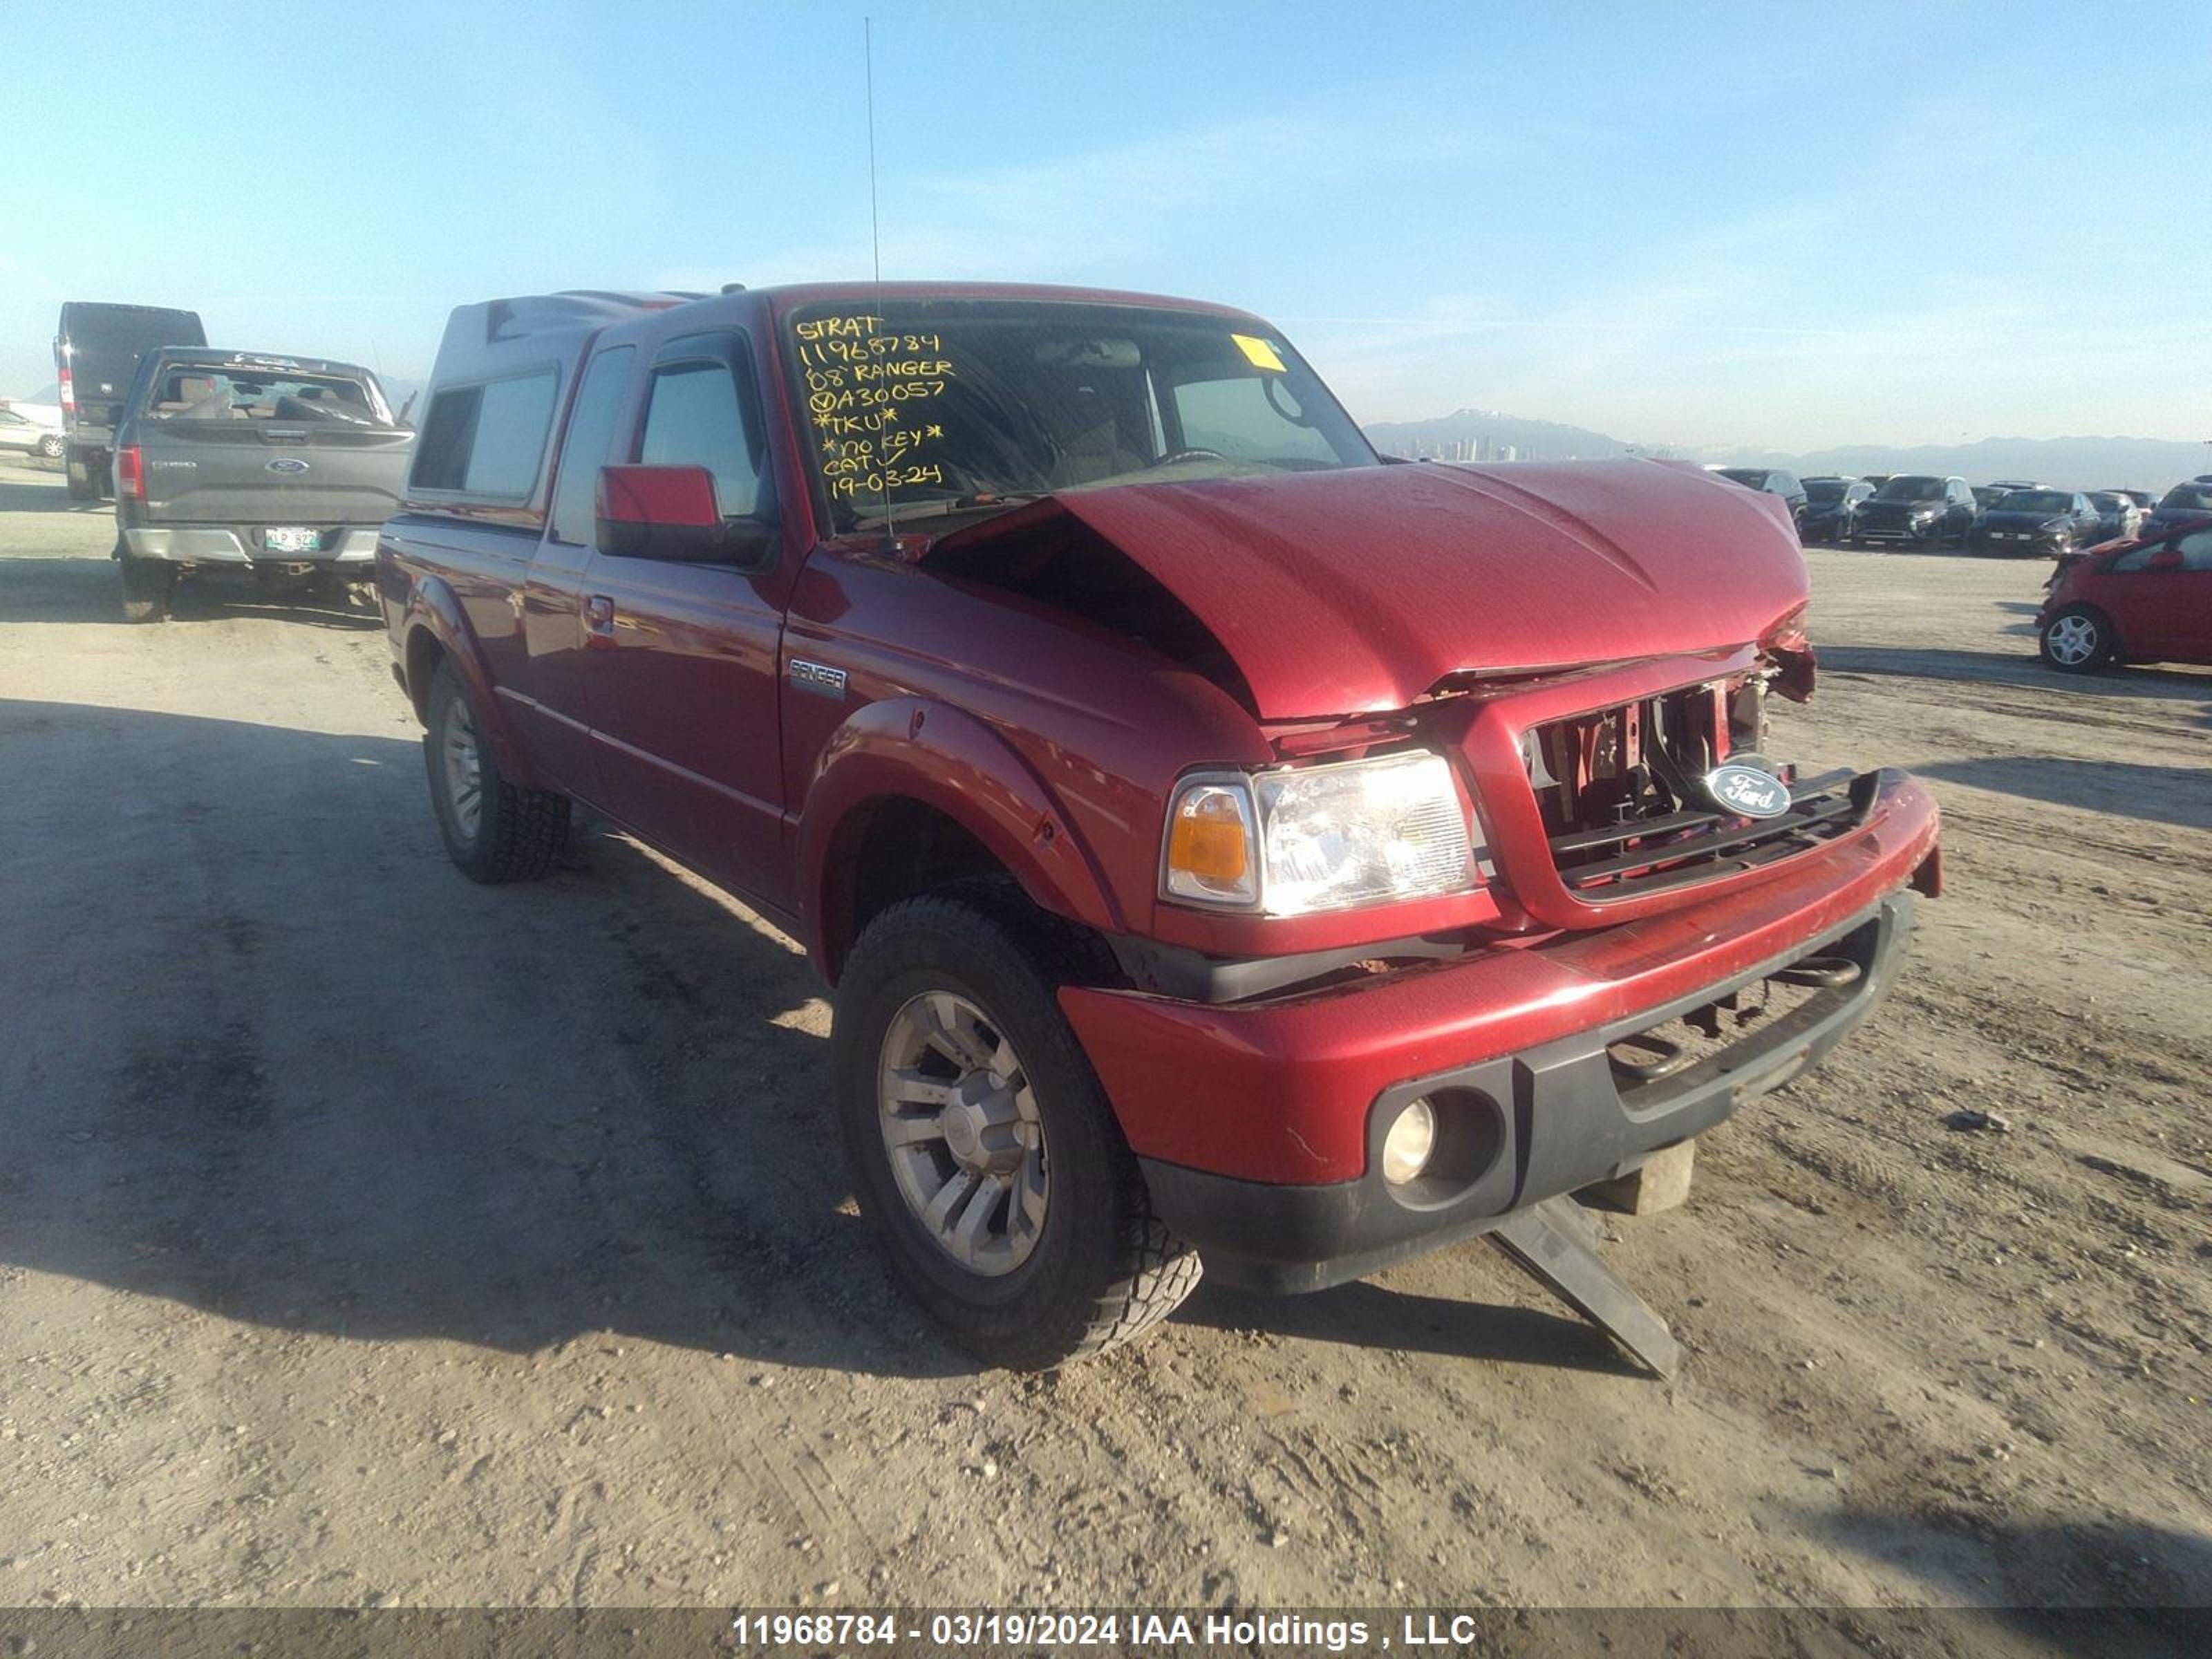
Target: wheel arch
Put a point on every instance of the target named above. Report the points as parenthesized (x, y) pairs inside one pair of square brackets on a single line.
[(436, 629), (911, 795)]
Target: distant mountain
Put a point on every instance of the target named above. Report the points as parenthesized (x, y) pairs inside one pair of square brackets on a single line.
[(2079, 463), (1485, 434)]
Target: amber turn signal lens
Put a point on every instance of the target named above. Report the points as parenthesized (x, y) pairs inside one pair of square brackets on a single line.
[(1210, 854), (1209, 840)]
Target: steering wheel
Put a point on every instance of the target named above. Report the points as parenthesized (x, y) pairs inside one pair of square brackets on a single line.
[(1194, 454)]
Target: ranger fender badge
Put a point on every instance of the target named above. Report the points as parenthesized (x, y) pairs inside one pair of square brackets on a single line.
[(823, 681), (1747, 790)]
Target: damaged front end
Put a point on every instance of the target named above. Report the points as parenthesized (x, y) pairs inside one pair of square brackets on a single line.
[(1591, 653)]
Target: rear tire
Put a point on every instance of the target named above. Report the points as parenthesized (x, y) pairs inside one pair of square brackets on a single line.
[(1084, 1264), (494, 831), (50, 448), (147, 585), (2078, 641)]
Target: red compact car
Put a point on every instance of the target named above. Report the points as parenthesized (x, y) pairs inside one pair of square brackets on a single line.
[(2145, 601)]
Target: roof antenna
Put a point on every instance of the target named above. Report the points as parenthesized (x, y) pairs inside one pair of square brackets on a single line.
[(876, 237)]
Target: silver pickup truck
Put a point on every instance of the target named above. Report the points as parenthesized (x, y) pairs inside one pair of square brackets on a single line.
[(282, 468)]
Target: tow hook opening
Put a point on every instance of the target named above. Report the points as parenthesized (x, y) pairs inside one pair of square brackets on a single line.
[(1674, 1045)]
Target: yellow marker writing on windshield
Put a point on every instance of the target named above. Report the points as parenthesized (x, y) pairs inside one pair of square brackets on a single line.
[(1258, 352)]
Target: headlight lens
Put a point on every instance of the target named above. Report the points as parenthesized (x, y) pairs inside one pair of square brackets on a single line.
[(1298, 840)]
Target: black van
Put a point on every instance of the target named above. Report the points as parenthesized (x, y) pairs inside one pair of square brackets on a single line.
[(96, 353)]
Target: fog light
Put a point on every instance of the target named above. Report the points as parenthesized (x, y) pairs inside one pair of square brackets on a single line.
[(1406, 1148)]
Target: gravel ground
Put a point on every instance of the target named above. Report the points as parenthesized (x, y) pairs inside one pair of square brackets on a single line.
[(369, 1237)]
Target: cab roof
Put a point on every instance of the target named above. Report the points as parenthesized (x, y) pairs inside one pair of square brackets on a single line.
[(491, 335)]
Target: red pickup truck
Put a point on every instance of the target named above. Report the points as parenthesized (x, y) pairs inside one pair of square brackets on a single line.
[(1224, 845)]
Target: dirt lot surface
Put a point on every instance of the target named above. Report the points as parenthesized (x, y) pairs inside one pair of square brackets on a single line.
[(368, 1236)]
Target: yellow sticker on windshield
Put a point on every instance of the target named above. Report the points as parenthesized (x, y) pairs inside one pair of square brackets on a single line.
[(1258, 352)]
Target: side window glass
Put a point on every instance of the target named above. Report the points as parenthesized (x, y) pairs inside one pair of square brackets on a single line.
[(511, 422), (588, 446), (2197, 550), (2134, 559), (442, 452), (694, 419)]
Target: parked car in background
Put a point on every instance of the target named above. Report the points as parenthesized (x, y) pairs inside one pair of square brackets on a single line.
[(1876, 479), (97, 348), (2043, 523), (2144, 601), (18, 431), (2118, 518), (1831, 507), (2186, 503), (273, 467), (1985, 497), (1915, 509), (1110, 729), (2010, 484), (2141, 498), (1774, 481)]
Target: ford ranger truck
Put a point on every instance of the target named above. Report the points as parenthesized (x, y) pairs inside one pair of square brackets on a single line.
[(1223, 847), (276, 468)]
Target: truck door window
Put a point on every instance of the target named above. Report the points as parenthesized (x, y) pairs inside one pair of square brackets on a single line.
[(589, 445), (695, 419)]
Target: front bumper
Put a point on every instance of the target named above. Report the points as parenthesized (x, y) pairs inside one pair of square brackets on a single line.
[(1892, 530), (220, 544), (2022, 543), (1257, 1125)]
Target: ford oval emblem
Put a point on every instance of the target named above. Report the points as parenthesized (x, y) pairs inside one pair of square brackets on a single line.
[(288, 463), (1747, 790)]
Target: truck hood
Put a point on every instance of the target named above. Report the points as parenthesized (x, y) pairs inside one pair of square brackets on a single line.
[(1358, 591)]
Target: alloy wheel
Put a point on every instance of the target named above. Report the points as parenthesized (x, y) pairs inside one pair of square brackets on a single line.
[(463, 761), (2073, 640), (961, 1128)]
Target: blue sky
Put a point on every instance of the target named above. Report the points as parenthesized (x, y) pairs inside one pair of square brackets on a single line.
[(1718, 224)]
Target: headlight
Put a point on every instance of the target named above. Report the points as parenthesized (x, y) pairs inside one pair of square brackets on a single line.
[(1297, 839), (1924, 512)]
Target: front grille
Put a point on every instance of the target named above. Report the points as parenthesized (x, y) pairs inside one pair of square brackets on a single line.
[(1625, 811)]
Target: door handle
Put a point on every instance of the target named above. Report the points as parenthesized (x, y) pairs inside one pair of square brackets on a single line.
[(599, 622)]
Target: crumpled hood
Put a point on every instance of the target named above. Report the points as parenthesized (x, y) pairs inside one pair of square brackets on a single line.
[(1356, 591)]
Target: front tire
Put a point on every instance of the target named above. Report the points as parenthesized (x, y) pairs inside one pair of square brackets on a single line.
[(2078, 641), (50, 448), (147, 586), (979, 1142), (494, 831)]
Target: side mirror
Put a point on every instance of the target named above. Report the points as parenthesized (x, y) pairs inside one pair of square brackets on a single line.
[(670, 513), (2167, 558)]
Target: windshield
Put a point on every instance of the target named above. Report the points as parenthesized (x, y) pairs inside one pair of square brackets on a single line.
[(1821, 491), (1910, 489), (931, 406), (199, 391), (2190, 497), (2036, 501)]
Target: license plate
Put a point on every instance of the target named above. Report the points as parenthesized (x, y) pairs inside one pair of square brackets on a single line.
[(292, 541)]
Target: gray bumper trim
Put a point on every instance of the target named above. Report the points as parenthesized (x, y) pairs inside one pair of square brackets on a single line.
[(216, 545)]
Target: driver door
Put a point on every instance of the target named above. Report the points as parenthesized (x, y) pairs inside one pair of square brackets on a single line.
[(683, 687)]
